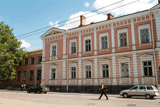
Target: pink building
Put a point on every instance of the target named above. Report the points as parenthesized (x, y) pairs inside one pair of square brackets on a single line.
[(120, 52)]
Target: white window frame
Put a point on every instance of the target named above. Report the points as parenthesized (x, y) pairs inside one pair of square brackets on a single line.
[(84, 44), (31, 60), (124, 60), (146, 57), (104, 62), (139, 32), (71, 41), (103, 35), (72, 64), (51, 45), (87, 63), (50, 76), (118, 35)]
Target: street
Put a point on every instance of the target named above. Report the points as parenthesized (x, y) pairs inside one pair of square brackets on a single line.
[(55, 99)]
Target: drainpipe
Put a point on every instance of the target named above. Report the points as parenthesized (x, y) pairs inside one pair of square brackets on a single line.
[(153, 47)]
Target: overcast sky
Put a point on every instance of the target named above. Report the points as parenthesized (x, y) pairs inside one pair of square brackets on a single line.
[(25, 16)]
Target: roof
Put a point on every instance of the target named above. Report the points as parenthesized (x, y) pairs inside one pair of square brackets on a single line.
[(34, 50)]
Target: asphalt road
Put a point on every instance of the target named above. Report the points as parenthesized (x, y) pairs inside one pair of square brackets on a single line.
[(55, 99)]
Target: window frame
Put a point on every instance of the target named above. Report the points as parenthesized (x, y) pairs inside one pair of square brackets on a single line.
[(147, 69), (74, 72), (30, 75), (38, 59), (51, 45), (38, 76), (26, 61), (120, 31), (24, 76), (19, 76), (105, 71), (145, 26), (84, 43), (32, 59), (89, 70), (70, 48), (100, 40), (52, 74)]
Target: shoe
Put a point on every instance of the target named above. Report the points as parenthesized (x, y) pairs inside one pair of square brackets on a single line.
[(107, 99), (99, 98)]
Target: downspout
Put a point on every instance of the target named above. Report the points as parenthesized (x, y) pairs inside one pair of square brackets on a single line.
[(153, 47)]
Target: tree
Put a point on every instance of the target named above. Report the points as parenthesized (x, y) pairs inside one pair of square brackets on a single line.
[(10, 53)]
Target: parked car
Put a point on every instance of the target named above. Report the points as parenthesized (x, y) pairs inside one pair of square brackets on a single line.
[(38, 89), (149, 91)]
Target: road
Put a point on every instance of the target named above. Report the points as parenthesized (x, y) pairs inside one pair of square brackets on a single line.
[(55, 99)]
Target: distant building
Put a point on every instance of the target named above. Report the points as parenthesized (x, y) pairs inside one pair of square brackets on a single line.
[(120, 52), (26, 71)]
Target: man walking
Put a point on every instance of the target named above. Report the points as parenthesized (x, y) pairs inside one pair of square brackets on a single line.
[(103, 91), (22, 87)]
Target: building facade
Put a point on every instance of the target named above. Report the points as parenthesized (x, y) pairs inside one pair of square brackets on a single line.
[(26, 71), (120, 52)]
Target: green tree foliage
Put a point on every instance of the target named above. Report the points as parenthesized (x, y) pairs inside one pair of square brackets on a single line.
[(10, 53)]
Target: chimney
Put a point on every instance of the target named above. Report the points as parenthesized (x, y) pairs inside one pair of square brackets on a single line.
[(82, 20), (110, 16)]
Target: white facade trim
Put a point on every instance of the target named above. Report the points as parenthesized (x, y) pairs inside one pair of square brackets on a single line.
[(114, 70), (64, 46), (64, 70), (112, 34), (95, 42), (133, 34), (79, 43)]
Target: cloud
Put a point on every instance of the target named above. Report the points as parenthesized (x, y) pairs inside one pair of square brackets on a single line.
[(25, 44), (87, 4), (54, 24), (91, 17), (134, 7)]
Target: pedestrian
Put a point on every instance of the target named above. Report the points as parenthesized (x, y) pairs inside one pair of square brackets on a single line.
[(22, 87), (103, 91)]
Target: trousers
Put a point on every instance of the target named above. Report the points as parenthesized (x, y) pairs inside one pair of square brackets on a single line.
[(103, 92)]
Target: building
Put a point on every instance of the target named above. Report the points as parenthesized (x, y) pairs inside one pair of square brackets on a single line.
[(26, 71), (120, 52)]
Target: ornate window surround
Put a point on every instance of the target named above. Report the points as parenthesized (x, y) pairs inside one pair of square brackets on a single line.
[(84, 45), (53, 44), (72, 64), (87, 63), (104, 61), (103, 35), (73, 40)]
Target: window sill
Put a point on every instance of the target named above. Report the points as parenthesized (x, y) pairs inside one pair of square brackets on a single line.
[(73, 54), (104, 49), (72, 78), (52, 79), (105, 77), (87, 52), (125, 77), (123, 47), (145, 44), (87, 78)]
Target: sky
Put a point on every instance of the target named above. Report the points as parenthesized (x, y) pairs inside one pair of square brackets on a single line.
[(26, 16)]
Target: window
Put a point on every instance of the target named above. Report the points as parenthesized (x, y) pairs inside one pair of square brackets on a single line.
[(32, 60), (123, 39), (53, 75), (147, 66), (144, 33), (73, 47), (134, 88), (39, 59), (142, 87), (124, 70), (73, 72), (18, 75), (53, 50), (39, 75), (88, 71), (104, 42), (31, 75), (149, 88), (24, 75), (88, 45), (105, 70), (25, 62)]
